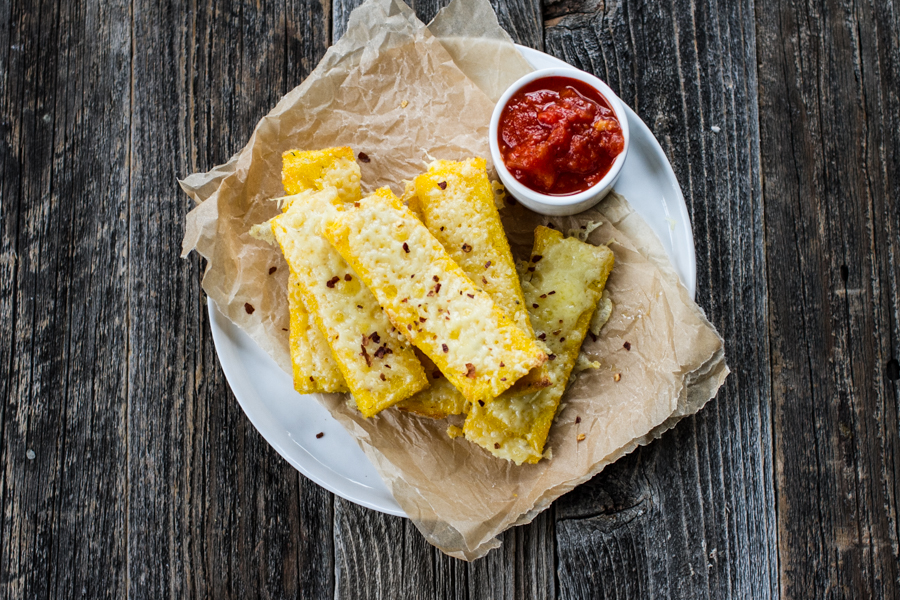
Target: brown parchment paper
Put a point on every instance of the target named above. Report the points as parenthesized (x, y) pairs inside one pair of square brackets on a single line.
[(394, 90)]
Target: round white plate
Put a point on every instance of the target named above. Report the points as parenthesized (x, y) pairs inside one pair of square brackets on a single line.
[(290, 421)]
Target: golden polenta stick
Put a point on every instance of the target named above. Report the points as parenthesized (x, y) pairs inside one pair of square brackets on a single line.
[(378, 365), (314, 367), (439, 400), (566, 284), (429, 298), (456, 203), (303, 170)]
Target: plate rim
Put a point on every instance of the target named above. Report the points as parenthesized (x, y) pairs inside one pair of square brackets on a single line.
[(340, 488)]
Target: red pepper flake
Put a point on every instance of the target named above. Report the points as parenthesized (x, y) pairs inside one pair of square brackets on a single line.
[(627, 346), (430, 293), (562, 340), (442, 185), (484, 281), (551, 293), (356, 204), (577, 420), (543, 295), (363, 157), (470, 371), (311, 378), (333, 281), (535, 305), (481, 403), (470, 295), (348, 277), (284, 329), (496, 446), (557, 332), (466, 248), (405, 247), (502, 365), (551, 356), (487, 265), (359, 306), (437, 288), (542, 337), (387, 366), (445, 348), (442, 227), (405, 300), (366, 356), (383, 378), (503, 379), (422, 319), (272, 270), (320, 435), (375, 337), (249, 308), (536, 258), (435, 279), (409, 327)]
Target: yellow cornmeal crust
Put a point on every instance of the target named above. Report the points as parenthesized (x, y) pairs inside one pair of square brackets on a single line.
[(455, 201), (313, 364), (429, 298), (439, 400), (303, 170), (567, 283), (379, 366)]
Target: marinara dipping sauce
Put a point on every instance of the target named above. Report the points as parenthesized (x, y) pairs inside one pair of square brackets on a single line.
[(559, 136)]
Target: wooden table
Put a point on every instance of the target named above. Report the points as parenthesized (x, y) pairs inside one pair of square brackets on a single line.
[(130, 470)]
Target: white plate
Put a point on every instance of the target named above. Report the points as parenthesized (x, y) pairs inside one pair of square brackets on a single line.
[(290, 421)]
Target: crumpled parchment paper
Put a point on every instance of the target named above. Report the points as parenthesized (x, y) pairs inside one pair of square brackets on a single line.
[(405, 94)]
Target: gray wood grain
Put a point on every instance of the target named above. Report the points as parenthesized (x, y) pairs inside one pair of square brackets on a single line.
[(692, 515), (64, 272), (128, 468), (829, 119), (522, 19), (212, 510)]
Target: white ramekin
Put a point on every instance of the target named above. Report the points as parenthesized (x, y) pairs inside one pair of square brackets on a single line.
[(559, 205)]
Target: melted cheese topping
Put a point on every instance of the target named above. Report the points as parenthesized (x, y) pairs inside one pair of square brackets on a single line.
[(318, 169), (314, 367), (566, 284), (379, 366), (429, 298)]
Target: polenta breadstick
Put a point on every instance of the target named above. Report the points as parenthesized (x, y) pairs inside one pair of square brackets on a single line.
[(378, 365), (566, 284), (429, 298), (303, 170), (456, 203), (313, 364)]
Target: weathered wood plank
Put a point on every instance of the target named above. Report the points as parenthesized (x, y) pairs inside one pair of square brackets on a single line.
[(62, 304), (829, 119), (692, 515), (522, 19), (213, 511)]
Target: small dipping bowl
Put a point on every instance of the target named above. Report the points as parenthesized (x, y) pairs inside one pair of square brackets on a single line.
[(548, 204)]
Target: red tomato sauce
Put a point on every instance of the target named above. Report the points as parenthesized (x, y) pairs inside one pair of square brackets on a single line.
[(559, 136)]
